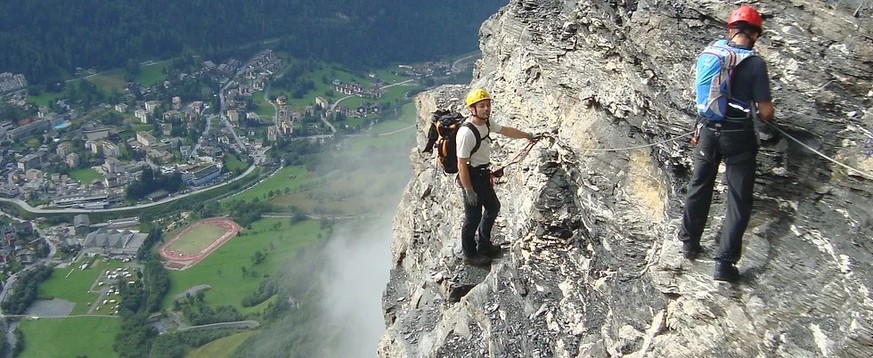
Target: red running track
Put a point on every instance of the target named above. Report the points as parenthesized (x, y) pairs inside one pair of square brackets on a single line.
[(180, 261)]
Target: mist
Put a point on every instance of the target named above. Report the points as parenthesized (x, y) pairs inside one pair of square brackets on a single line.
[(338, 284), (358, 260)]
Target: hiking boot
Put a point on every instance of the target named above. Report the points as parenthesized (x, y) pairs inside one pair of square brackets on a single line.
[(489, 250), (726, 271), (477, 260), (691, 249)]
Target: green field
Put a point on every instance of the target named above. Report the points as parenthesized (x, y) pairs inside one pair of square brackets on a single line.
[(153, 73), (44, 98), (85, 175), (109, 81), (264, 109), (233, 163), (222, 271), (32, 142), (70, 337), (75, 287), (221, 348), (291, 177), (197, 239)]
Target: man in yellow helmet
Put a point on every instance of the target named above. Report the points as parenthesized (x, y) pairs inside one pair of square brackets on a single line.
[(474, 152)]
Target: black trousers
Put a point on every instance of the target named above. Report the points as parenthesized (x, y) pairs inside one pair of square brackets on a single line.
[(737, 148), (474, 215)]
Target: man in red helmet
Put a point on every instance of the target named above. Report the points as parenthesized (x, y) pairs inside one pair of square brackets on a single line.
[(734, 141)]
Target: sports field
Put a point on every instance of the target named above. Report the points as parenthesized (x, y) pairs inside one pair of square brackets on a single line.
[(197, 241), (274, 237), (70, 337)]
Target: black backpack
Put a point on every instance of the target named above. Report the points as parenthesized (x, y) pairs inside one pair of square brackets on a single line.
[(444, 127)]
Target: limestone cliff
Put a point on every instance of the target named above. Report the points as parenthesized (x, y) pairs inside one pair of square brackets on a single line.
[(592, 266)]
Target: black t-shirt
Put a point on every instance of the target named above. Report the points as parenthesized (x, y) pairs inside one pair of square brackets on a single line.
[(750, 81)]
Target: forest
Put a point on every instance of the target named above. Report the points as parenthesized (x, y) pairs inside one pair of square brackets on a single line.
[(50, 40)]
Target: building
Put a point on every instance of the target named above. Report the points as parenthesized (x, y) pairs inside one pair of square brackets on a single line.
[(197, 106), (142, 115), (121, 107), (323, 103), (151, 106), (171, 114), (177, 103), (98, 200), (114, 180), (114, 242), (201, 175), (96, 134), (123, 223), (146, 139), (82, 224), (160, 156), (112, 166), (27, 130), (23, 228), (64, 148), (111, 149), (26, 256), (72, 160), (30, 161), (9, 190), (233, 115), (33, 174), (10, 82)]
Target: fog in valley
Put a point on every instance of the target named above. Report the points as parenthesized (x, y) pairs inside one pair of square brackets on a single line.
[(339, 284)]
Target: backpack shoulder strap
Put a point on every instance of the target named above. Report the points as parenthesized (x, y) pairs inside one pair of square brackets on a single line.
[(476, 134)]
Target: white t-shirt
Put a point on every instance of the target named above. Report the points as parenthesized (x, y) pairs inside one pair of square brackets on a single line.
[(466, 140)]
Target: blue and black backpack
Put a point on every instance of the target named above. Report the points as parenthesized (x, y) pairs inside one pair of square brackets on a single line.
[(715, 65)]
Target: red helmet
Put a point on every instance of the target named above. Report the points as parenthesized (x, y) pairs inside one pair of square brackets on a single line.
[(745, 14)]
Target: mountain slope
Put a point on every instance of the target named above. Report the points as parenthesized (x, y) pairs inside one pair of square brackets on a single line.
[(593, 266), (49, 39)]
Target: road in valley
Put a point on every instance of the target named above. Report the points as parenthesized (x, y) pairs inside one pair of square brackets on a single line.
[(24, 205)]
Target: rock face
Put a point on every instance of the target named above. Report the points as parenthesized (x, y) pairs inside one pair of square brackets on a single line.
[(592, 266)]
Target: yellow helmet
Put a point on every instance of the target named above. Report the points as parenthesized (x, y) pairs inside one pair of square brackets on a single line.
[(477, 95)]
